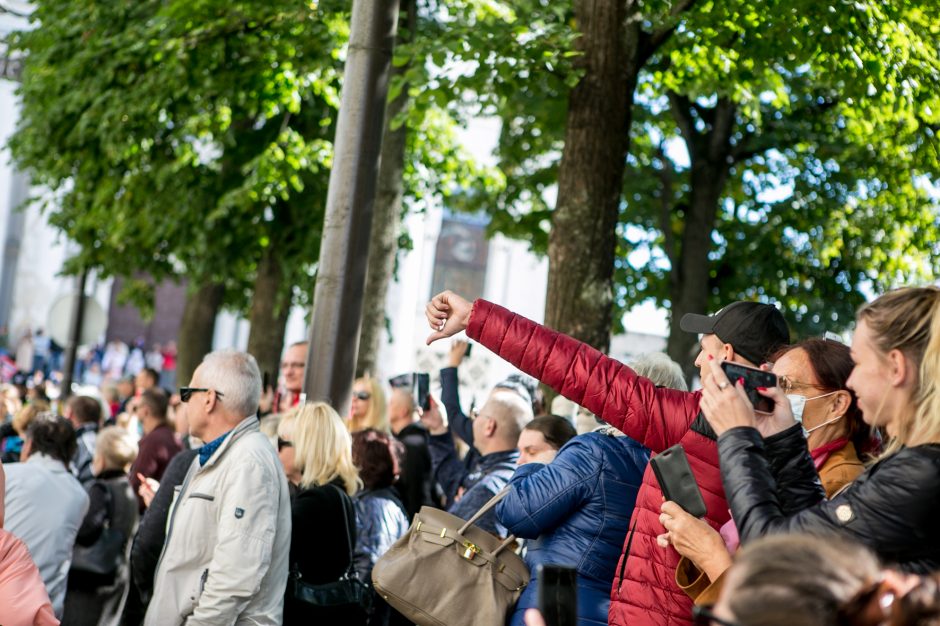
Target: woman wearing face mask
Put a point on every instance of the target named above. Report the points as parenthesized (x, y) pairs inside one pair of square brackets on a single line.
[(813, 373)]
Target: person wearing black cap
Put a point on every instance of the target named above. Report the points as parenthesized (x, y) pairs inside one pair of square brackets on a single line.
[(744, 332), (644, 589)]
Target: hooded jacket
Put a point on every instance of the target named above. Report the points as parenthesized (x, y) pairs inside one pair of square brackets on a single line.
[(644, 589), (225, 559)]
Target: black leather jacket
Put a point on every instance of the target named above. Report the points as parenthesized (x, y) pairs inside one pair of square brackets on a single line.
[(892, 508)]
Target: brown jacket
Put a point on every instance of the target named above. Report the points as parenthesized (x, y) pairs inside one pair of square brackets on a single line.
[(842, 467)]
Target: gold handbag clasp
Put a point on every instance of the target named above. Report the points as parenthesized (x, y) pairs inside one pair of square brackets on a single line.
[(470, 550)]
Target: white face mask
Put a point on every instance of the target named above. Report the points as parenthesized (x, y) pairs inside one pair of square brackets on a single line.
[(798, 402)]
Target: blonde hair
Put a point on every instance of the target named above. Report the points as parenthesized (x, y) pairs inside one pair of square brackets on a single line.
[(285, 427), (116, 448), (323, 448), (375, 417), (25, 416), (908, 320)]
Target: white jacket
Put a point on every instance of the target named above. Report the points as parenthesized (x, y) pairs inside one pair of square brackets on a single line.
[(225, 559)]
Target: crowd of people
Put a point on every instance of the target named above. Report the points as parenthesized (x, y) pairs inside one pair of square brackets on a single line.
[(34, 360), (224, 502)]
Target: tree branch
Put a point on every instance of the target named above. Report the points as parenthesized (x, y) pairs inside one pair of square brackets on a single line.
[(719, 143), (666, 176), (655, 40), (680, 106)]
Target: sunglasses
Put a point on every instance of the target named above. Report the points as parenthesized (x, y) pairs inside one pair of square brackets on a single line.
[(362, 395), (704, 616), (187, 392), (283, 443)]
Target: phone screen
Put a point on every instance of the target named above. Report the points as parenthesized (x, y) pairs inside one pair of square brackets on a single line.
[(558, 595), (422, 392)]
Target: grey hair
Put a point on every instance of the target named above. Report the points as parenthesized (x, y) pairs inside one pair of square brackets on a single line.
[(236, 375), (660, 369), (512, 414)]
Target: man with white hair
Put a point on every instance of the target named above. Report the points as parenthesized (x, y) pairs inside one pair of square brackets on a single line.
[(496, 431), (225, 559)]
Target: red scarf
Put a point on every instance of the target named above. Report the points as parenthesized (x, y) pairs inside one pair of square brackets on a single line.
[(822, 453)]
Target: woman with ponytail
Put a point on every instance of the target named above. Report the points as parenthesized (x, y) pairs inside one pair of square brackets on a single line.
[(893, 507)]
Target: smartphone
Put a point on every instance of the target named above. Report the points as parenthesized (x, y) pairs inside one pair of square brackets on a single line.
[(422, 390), (753, 378), (674, 475), (558, 595), (469, 347), (265, 382)]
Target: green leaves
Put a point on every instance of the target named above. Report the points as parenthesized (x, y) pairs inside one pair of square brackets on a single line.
[(183, 137)]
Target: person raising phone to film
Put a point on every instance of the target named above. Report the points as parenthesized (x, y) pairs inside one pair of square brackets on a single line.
[(893, 506), (643, 590)]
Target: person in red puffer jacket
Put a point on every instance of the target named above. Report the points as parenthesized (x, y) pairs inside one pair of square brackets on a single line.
[(644, 589)]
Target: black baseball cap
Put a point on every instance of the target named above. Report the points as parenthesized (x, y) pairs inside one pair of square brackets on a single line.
[(755, 330)]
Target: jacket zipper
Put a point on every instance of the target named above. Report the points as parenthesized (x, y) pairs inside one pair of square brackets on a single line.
[(626, 555)]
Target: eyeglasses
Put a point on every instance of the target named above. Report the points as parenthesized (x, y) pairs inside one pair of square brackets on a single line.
[(283, 443), (187, 392), (789, 385), (704, 616), (362, 395)]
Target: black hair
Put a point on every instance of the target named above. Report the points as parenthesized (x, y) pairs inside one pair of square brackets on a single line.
[(53, 436), (556, 429)]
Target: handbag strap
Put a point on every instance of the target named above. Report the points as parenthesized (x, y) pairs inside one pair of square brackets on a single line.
[(346, 502), (486, 508), (492, 502)]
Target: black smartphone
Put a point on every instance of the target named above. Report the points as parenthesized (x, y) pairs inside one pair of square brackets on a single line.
[(674, 475), (422, 390), (753, 378), (558, 595), (469, 347), (265, 382)]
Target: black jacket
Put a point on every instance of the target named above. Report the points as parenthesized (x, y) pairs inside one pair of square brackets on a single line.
[(892, 507), (415, 485), (320, 551)]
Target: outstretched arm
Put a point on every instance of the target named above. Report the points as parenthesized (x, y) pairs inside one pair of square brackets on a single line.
[(656, 417)]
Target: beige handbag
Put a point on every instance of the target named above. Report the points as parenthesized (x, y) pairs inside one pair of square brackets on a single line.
[(447, 572)]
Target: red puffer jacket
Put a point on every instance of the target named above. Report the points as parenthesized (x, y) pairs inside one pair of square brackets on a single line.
[(644, 592)]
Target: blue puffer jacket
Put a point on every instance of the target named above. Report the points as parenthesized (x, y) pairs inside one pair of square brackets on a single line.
[(577, 511)]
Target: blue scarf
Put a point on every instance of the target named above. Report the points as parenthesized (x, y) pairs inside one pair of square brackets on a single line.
[(208, 449)]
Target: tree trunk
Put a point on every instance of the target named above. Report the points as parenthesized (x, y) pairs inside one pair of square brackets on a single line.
[(582, 243), (711, 162), (197, 329), (386, 219), (270, 307)]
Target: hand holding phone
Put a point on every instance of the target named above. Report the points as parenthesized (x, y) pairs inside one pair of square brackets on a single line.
[(674, 475), (753, 378), (558, 595)]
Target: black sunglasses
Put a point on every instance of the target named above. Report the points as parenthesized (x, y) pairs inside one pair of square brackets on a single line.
[(704, 616), (362, 395), (187, 392), (283, 443)]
